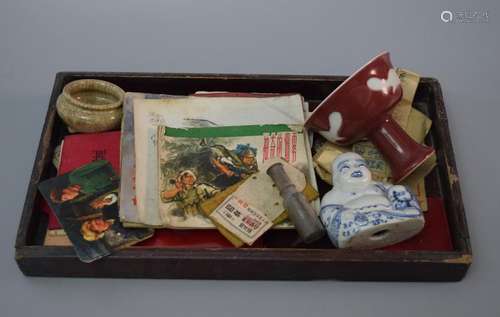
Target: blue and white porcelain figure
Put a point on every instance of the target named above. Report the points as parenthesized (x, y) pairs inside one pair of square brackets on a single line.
[(360, 213)]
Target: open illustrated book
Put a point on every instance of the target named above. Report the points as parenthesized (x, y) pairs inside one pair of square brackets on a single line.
[(201, 110), (196, 164)]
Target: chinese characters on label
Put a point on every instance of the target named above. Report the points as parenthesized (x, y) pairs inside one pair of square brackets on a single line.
[(241, 219)]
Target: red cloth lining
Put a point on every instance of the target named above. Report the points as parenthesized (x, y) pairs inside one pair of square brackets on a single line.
[(436, 233)]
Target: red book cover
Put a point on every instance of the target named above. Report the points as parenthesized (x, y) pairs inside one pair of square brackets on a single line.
[(81, 149)]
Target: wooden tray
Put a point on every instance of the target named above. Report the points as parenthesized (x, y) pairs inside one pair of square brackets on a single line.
[(281, 259)]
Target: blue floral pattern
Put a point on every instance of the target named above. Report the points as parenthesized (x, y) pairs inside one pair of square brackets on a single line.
[(345, 222)]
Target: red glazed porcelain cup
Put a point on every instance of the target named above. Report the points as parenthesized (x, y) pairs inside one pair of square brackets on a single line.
[(359, 108)]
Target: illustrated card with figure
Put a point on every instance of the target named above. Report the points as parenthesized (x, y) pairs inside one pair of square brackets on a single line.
[(197, 163), (85, 202)]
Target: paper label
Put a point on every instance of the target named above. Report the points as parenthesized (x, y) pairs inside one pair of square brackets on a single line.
[(374, 159), (241, 219)]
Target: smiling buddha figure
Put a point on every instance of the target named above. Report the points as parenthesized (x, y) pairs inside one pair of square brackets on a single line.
[(360, 213)]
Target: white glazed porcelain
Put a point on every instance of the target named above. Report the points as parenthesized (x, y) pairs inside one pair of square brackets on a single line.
[(359, 213)]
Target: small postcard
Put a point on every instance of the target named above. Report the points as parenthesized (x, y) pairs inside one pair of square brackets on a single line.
[(85, 202)]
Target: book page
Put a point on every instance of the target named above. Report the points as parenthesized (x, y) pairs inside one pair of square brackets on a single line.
[(195, 164), (196, 111)]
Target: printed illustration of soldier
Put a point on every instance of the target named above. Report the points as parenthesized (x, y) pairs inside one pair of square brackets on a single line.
[(233, 166), (189, 193)]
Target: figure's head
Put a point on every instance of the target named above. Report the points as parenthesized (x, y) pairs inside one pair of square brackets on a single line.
[(248, 158), (350, 171), (103, 201), (246, 153), (187, 178), (94, 229), (60, 195)]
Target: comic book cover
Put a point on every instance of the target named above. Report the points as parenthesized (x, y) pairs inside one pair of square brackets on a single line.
[(196, 163)]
